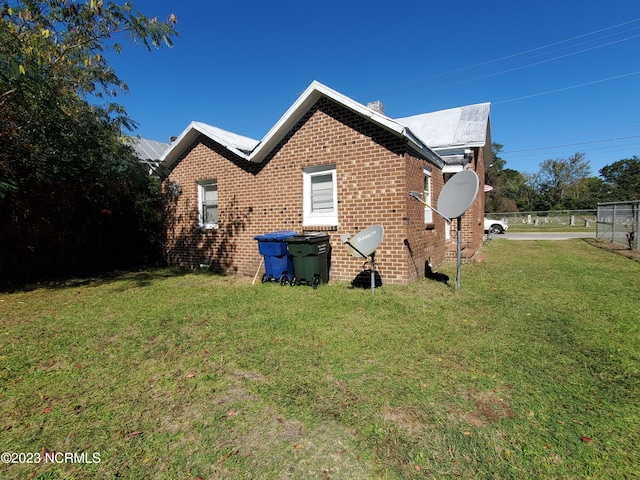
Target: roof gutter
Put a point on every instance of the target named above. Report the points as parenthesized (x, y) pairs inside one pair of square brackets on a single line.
[(420, 147)]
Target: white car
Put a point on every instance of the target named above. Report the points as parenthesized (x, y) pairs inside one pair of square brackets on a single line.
[(495, 226)]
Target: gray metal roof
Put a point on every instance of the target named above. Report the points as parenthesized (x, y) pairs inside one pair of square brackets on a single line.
[(456, 127), (149, 149)]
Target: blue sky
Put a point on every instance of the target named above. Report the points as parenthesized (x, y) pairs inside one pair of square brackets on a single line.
[(562, 76)]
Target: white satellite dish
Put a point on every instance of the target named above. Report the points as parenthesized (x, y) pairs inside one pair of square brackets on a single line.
[(458, 194)]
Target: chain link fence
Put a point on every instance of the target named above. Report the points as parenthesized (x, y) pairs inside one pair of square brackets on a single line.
[(583, 218), (618, 223)]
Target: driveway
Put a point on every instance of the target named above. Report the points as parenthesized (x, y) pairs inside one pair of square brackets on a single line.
[(544, 235)]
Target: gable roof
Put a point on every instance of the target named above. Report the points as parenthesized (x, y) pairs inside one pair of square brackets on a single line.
[(439, 136), (456, 127), (451, 132), (257, 151)]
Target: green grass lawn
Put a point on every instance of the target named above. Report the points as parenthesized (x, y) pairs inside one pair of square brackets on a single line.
[(531, 370), (523, 228), (550, 227)]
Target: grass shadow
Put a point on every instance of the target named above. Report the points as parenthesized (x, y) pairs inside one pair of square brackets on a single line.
[(141, 278)]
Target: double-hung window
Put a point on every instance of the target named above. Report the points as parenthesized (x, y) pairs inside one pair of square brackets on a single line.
[(320, 201), (208, 204), (428, 213)]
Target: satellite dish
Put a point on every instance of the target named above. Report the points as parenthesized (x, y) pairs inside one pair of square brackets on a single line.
[(458, 194), (365, 243)]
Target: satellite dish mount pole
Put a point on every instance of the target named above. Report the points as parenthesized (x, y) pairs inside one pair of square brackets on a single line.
[(368, 240), (455, 198), (458, 252), (416, 196), (373, 265), (373, 272)]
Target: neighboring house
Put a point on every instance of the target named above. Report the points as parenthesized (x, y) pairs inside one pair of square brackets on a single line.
[(329, 164), (149, 152)]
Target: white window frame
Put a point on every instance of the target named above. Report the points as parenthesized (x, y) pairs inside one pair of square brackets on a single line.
[(428, 212), (202, 185), (311, 218)]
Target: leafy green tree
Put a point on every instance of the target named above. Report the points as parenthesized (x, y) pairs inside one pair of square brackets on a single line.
[(590, 191), (519, 190), (68, 182), (493, 176), (622, 179), (559, 182), (510, 190)]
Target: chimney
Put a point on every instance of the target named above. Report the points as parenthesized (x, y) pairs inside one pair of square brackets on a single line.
[(376, 106)]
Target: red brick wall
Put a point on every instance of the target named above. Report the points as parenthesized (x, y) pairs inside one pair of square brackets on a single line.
[(374, 172), (426, 241)]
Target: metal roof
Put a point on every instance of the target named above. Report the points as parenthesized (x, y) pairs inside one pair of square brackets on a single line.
[(456, 127), (148, 149), (423, 133)]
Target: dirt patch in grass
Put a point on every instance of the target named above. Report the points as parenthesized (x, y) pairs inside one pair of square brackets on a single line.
[(488, 406), (266, 439), (413, 420), (236, 391)]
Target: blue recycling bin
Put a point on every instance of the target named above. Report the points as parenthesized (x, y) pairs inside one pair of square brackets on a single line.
[(278, 264)]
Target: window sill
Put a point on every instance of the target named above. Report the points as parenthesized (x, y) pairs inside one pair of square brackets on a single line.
[(429, 226), (208, 227), (319, 228)]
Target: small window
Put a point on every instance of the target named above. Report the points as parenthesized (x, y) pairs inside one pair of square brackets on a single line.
[(428, 212), (320, 196), (208, 204)]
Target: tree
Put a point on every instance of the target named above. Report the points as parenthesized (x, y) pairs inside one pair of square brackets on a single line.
[(493, 176), (559, 182), (510, 189), (68, 182), (622, 179)]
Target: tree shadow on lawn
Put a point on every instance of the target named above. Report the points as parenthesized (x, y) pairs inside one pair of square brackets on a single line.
[(141, 278)]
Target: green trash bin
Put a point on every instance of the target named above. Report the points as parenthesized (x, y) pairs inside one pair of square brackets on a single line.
[(310, 254)]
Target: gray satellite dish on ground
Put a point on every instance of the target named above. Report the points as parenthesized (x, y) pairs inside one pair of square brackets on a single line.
[(364, 245), (457, 195)]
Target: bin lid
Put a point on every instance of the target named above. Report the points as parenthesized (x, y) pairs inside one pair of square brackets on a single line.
[(275, 236), (309, 238)]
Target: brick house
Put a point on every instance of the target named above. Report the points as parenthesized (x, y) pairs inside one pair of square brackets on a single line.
[(329, 164)]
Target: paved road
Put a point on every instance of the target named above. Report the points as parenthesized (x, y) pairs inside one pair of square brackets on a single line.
[(544, 235)]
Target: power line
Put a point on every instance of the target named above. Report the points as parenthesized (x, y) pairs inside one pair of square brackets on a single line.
[(572, 144), (566, 88), (590, 132), (522, 67), (422, 81), (553, 44)]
